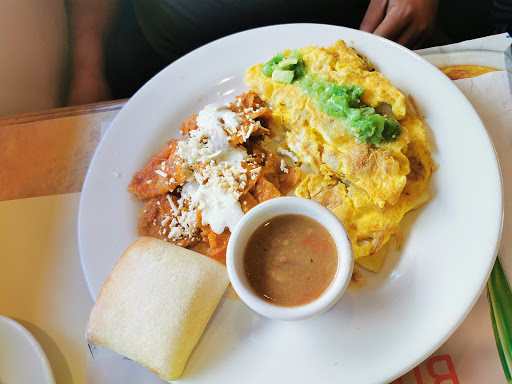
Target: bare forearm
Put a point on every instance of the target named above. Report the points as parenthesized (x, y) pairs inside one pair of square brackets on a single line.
[(90, 23), (408, 22)]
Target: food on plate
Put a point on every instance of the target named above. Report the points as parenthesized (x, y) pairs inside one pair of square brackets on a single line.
[(361, 147), (155, 305), (367, 148), (290, 260), (197, 188), (456, 72), (328, 126)]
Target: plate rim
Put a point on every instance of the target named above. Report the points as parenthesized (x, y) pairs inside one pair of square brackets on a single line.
[(436, 57)]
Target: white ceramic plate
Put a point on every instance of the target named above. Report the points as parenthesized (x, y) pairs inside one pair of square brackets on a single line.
[(372, 335), (22, 360), (493, 59)]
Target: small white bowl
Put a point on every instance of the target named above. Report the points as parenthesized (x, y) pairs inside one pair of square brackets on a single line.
[(22, 358), (264, 212)]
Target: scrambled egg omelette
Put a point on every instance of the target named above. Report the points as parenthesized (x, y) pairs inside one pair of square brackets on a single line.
[(370, 168)]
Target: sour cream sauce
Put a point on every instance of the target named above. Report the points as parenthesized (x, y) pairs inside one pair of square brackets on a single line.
[(208, 147)]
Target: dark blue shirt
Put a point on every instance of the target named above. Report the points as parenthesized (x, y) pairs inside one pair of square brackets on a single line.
[(174, 27)]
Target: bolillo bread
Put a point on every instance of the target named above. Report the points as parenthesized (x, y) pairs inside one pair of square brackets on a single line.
[(155, 305)]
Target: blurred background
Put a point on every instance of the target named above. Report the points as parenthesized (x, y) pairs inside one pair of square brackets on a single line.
[(34, 45)]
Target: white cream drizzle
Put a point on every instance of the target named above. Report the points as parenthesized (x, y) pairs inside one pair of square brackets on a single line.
[(215, 175), (220, 209)]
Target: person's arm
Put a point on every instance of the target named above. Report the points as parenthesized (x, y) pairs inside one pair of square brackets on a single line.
[(90, 22), (408, 22)]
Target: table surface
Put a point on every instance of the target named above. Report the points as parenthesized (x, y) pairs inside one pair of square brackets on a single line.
[(44, 158), (48, 153)]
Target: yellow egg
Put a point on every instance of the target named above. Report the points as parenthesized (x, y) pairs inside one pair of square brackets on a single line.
[(368, 187)]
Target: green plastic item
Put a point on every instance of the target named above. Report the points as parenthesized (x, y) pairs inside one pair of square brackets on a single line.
[(500, 302)]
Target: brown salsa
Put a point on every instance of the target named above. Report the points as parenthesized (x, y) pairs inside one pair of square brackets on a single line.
[(290, 260)]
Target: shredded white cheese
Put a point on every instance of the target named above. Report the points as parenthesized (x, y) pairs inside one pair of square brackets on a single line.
[(159, 172), (283, 166), (285, 152), (216, 176)]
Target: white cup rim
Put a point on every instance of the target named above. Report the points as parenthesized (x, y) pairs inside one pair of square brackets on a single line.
[(277, 207)]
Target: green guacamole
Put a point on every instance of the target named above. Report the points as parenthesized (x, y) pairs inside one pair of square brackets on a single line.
[(274, 64), (340, 101)]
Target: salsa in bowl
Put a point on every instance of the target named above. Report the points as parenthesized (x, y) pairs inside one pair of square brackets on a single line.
[(290, 258)]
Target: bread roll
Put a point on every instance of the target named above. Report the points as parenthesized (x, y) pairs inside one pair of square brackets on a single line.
[(155, 305)]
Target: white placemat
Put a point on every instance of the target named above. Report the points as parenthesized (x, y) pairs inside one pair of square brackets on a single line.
[(41, 281)]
